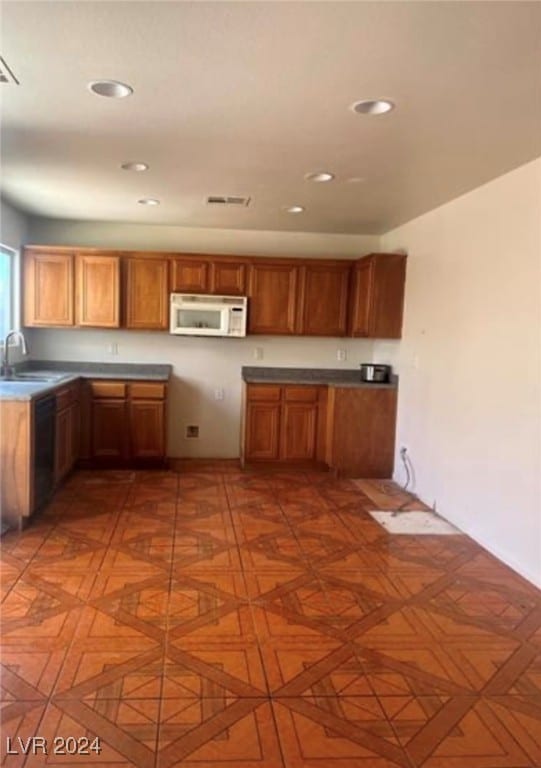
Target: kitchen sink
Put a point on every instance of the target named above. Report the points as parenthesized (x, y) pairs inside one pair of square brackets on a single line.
[(34, 377)]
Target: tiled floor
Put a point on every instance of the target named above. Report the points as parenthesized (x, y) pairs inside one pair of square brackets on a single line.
[(250, 620)]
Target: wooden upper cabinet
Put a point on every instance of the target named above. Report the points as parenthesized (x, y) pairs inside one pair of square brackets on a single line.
[(361, 294), (146, 292), (48, 288), (228, 278), (272, 290), (216, 275), (325, 299), (97, 290), (377, 296), (307, 297), (190, 275)]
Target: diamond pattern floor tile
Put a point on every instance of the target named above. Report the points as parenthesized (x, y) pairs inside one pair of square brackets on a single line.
[(262, 619)]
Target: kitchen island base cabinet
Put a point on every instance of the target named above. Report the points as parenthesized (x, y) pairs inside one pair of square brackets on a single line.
[(361, 425)]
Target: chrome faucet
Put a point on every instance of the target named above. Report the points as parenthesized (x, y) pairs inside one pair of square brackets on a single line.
[(7, 370)]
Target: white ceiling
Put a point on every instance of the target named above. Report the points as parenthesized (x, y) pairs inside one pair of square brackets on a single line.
[(245, 98)]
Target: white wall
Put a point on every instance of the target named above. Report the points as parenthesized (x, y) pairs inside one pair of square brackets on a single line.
[(198, 240), (13, 226), (470, 363), (200, 365)]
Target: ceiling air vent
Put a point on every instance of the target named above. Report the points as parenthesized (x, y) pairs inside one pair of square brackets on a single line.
[(227, 200), (6, 75)]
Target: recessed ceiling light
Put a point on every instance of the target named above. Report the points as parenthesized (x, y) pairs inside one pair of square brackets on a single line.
[(372, 106), (110, 88), (319, 176), (148, 201), (294, 209), (134, 166)]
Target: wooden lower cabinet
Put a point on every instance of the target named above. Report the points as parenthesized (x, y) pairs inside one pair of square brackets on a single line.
[(63, 443), (361, 425), (67, 429), (109, 430), (281, 423), (351, 430), (147, 429), (263, 431), (124, 423)]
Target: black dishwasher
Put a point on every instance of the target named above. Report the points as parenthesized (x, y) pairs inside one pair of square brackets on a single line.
[(44, 437)]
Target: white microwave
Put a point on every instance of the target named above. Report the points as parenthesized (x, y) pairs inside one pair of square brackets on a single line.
[(198, 315)]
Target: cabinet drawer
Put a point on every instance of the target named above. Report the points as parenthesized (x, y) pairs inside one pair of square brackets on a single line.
[(108, 389), (66, 396), (147, 390), (264, 392), (300, 394)]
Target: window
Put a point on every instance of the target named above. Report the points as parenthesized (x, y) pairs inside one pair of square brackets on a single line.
[(7, 281)]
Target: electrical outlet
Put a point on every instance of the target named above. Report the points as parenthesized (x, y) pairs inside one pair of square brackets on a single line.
[(341, 355), (258, 353), (403, 450), (112, 348), (192, 430), (218, 393)]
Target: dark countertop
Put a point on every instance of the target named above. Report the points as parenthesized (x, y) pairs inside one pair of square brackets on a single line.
[(332, 377), (63, 372)]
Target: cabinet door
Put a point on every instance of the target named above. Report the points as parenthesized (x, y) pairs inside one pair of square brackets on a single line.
[(262, 431), (48, 289), (147, 429), (298, 428), (147, 295), (75, 432), (228, 278), (190, 276), (361, 431), (298, 431), (325, 299), (273, 298), (97, 295), (377, 296), (109, 429), (63, 443), (361, 297), (388, 295)]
